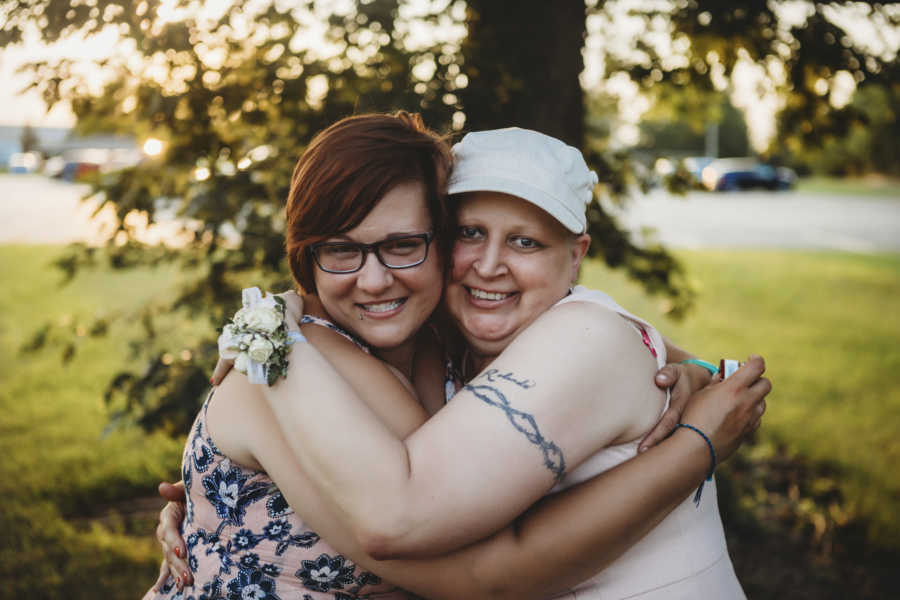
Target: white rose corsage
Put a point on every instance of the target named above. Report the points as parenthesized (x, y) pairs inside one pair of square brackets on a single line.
[(257, 338)]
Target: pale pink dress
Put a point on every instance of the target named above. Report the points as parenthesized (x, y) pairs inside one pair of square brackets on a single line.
[(685, 556)]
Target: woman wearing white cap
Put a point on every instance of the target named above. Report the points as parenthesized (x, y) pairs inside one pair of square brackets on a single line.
[(538, 416)]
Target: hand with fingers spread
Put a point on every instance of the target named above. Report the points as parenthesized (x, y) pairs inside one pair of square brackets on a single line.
[(168, 532), (726, 411)]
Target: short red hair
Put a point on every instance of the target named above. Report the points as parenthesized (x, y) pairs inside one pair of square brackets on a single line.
[(348, 168)]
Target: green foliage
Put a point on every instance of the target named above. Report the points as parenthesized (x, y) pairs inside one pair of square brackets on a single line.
[(885, 187), (868, 142), (709, 38), (233, 117), (680, 116)]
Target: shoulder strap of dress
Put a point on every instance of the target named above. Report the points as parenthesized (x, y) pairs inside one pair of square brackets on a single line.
[(326, 323), (453, 380)]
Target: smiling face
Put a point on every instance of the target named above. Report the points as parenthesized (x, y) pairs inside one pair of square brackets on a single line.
[(385, 307), (511, 261)]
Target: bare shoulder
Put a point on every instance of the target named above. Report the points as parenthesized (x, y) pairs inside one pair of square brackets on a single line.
[(334, 346), (384, 389), (600, 348), (236, 416), (587, 329)]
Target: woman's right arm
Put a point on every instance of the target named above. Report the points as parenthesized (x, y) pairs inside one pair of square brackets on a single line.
[(560, 541), (565, 387), (483, 459)]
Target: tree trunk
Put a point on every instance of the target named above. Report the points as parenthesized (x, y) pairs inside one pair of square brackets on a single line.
[(523, 59)]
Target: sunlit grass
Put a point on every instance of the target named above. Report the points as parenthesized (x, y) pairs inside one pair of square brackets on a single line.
[(888, 187), (59, 467)]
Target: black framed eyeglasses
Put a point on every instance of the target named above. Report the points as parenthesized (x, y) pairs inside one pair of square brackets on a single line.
[(401, 252)]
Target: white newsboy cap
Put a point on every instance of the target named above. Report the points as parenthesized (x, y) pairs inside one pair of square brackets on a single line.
[(535, 167)]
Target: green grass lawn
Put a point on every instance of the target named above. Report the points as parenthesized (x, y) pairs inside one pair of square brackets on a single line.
[(851, 186), (67, 523), (827, 324)]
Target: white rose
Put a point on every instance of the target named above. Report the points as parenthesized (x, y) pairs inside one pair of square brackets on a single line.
[(262, 318), (268, 301), (229, 342), (241, 362), (260, 349), (240, 317), (244, 340)]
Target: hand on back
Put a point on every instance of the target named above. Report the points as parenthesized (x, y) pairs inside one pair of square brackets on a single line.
[(168, 532)]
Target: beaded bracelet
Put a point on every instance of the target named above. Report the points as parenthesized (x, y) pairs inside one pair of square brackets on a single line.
[(713, 369), (712, 455)]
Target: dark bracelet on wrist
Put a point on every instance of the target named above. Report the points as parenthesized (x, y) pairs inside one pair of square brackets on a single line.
[(712, 455)]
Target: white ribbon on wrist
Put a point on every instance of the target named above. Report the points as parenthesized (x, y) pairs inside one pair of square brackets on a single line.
[(256, 372), (258, 329)]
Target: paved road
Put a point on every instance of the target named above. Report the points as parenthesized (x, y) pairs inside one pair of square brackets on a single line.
[(39, 210), (34, 209), (766, 219)]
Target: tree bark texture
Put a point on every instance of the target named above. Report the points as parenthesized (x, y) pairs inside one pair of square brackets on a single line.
[(526, 57)]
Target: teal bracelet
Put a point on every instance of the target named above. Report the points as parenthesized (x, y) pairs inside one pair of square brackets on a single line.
[(713, 369), (712, 455)]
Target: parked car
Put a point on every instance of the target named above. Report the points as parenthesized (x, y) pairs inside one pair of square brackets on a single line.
[(730, 174), (24, 162), (696, 164)]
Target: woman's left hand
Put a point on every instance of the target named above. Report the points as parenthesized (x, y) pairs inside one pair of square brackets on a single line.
[(674, 378)]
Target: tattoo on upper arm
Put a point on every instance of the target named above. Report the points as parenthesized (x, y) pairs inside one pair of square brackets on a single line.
[(493, 375), (522, 421)]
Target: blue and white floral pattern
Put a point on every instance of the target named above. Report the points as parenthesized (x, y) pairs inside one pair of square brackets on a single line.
[(277, 506), (225, 489), (276, 530), (244, 542), (252, 584), (203, 460), (326, 573), (245, 539)]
